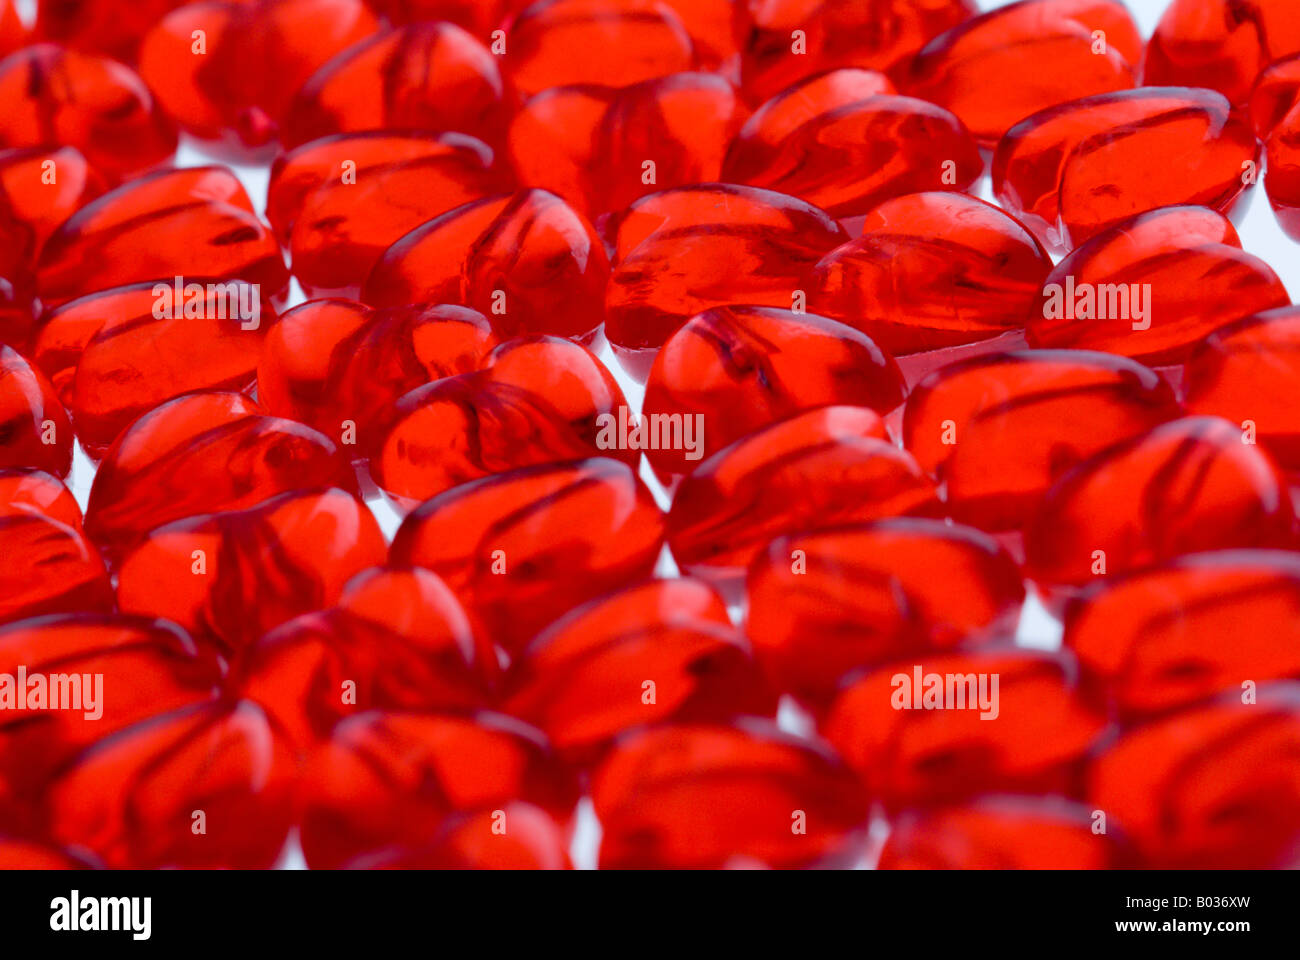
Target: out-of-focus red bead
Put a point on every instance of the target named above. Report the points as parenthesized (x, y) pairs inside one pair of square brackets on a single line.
[(528, 261), (1180, 633), (386, 782), (330, 362), (479, 17), (1249, 372), (26, 492), (1275, 94), (12, 32), (1001, 833), (712, 797), (948, 728), (682, 251), (742, 368), (1186, 486), (932, 270), (426, 76), (147, 667), (537, 400), (397, 640), (40, 187), (236, 84), (601, 148), (206, 217), (515, 836), (18, 310), (48, 567), (663, 651), (135, 799), (1220, 44), (998, 68), (1152, 287), (1282, 182), (522, 548), (1216, 787), (788, 40), (821, 605), (112, 358), (36, 431), (339, 202), (203, 453), (101, 107), (231, 577), (100, 26), (820, 469), (1072, 171), (999, 429), (20, 854), (829, 144), (615, 43)]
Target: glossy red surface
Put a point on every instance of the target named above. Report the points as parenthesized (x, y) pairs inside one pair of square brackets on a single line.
[(339, 202), (397, 640), (742, 368), (932, 270), (1282, 180), (235, 85), (98, 105), (537, 400), (134, 798), (40, 187), (615, 43), (203, 453), (147, 668), (1217, 787), (659, 652), (213, 235), (101, 26), (331, 363), (388, 781), (1247, 372), (1036, 735), (1153, 287), (999, 429), (1185, 486), (873, 34), (1220, 44), (998, 68), (998, 834), (233, 576), (425, 76), (711, 797), (852, 151), (1182, 632), (1072, 171), (679, 252), (36, 432), (522, 548), (49, 567), (822, 605), (601, 148), (819, 469), (112, 358), (529, 261), (35, 492)]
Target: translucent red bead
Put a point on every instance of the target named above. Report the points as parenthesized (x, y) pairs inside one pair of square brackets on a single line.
[(1074, 170), (737, 369), (932, 270)]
